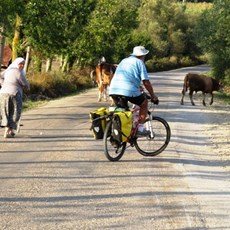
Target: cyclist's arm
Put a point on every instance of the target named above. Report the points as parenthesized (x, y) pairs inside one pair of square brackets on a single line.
[(149, 88)]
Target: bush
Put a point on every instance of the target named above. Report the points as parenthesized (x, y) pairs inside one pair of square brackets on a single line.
[(227, 79), (161, 64), (187, 61), (56, 84), (164, 64)]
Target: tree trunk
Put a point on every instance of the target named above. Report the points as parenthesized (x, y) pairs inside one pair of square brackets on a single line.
[(2, 43), (65, 65), (61, 61), (16, 37), (37, 64), (48, 64), (27, 59)]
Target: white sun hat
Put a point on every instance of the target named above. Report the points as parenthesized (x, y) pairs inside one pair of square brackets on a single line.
[(139, 51)]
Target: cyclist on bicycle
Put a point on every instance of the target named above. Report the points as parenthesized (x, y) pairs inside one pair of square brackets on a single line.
[(126, 84)]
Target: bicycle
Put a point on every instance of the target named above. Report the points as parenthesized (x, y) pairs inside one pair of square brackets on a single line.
[(150, 145)]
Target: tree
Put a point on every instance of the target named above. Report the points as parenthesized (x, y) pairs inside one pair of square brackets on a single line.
[(2, 43), (76, 30), (195, 1), (51, 27), (166, 24), (8, 10), (213, 35), (108, 30)]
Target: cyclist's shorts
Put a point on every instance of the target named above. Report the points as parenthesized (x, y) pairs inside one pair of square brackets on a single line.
[(122, 101)]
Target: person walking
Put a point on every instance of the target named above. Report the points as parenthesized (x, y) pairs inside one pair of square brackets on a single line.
[(11, 93), (126, 84)]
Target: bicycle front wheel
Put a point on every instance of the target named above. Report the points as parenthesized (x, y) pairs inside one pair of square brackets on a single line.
[(155, 143), (112, 149)]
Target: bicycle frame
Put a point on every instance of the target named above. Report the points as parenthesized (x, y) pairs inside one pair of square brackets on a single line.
[(149, 123), (149, 127), (134, 129), (150, 145)]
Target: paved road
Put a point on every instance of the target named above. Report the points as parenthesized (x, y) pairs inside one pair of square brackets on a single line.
[(53, 175)]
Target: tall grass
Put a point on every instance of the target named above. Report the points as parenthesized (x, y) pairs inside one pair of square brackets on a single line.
[(57, 84)]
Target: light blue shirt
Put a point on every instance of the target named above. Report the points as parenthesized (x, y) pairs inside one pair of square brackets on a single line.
[(128, 77)]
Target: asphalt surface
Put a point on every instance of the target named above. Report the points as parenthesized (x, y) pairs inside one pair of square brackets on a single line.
[(54, 175)]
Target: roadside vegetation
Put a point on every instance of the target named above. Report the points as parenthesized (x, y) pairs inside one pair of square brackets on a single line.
[(63, 40)]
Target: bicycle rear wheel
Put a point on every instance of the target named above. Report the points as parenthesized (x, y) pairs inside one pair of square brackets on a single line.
[(112, 150), (155, 143)]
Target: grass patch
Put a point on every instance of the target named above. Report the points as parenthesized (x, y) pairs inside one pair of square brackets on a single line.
[(223, 97), (55, 85), (29, 104)]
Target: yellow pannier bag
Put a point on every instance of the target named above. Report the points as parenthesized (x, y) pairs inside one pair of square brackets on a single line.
[(98, 122), (122, 126)]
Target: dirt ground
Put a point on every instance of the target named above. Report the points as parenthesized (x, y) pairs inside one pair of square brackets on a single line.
[(218, 115), (219, 133), (54, 175)]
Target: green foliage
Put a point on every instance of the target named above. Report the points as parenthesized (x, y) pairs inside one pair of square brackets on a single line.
[(214, 36), (8, 11), (56, 84), (168, 63), (29, 104), (109, 29), (165, 22), (9, 8), (227, 77), (159, 64), (52, 26), (84, 30), (142, 38), (196, 10)]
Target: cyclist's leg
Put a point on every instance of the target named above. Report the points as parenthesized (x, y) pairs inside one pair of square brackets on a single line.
[(143, 111), (143, 103)]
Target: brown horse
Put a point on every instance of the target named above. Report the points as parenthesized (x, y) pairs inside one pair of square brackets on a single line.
[(103, 75)]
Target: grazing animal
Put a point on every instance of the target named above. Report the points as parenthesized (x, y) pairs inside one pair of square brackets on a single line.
[(197, 82), (103, 76), (7, 56)]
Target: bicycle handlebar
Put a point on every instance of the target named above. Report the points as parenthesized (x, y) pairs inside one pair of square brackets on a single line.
[(156, 102)]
